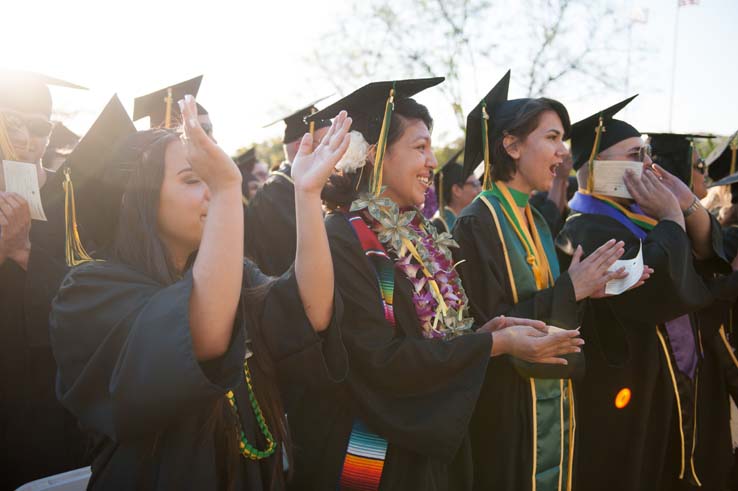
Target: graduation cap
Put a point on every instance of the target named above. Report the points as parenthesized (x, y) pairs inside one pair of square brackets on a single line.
[(673, 152), (28, 91), (450, 173), (478, 129), (87, 167), (246, 160), (295, 124), (370, 108), (598, 132), (62, 137), (722, 160), (161, 107), (489, 119)]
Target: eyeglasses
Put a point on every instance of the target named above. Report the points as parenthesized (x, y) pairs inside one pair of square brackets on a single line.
[(700, 166), (640, 154), (37, 126)]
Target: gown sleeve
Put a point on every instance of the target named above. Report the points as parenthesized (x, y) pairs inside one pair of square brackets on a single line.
[(43, 277), (125, 355), (485, 280), (301, 355), (417, 393), (666, 249)]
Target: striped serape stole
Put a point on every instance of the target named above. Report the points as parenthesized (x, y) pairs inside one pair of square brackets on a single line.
[(366, 451)]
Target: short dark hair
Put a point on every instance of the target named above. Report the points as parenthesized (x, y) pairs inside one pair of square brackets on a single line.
[(341, 190), (521, 124)]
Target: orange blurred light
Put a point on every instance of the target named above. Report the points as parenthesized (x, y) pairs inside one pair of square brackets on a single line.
[(623, 398)]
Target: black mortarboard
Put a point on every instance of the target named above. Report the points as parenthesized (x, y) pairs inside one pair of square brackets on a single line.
[(366, 105), (614, 131), (500, 114), (156, 104), (450, 173), (474, 144), (28, 91), (722, 160), (673, 152), (370, 108), (295, 124), (62, 137), (95, 191), (246, 160)]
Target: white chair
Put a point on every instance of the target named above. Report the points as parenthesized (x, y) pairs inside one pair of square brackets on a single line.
[(75, 480)]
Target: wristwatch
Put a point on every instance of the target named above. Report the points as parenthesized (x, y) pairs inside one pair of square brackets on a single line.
[(693, 207)]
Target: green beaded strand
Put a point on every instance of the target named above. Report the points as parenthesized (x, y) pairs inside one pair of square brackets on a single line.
[(248, 450)]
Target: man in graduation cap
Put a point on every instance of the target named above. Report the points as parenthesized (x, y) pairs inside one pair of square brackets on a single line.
[(162, 111), (636, 406), (455, 192), (37, 435), (272, 211), (250, 184)]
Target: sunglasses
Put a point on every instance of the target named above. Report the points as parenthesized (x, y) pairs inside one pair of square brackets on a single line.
[(37, 126)]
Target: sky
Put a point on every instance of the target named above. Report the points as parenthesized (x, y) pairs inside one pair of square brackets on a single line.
[(253, 55)]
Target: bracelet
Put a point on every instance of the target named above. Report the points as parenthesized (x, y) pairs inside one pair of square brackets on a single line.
[(693, 207)]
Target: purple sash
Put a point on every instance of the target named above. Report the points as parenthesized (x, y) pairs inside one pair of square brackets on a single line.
[(584, 203)]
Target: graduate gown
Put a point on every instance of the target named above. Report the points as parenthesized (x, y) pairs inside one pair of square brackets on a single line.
[(128, 372), (270, 230), (444, 220), (38, 436), (635, 406), (415, 393), (519, 441)]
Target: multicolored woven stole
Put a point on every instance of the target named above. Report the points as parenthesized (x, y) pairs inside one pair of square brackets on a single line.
[(364, 461)]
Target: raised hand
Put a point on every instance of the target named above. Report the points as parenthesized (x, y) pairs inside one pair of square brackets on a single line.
[(590, 276), (15, 226), (312, 168), (681, 191), (207, 159), (653, 197)]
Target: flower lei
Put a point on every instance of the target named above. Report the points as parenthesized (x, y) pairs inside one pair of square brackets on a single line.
[(424, 257)]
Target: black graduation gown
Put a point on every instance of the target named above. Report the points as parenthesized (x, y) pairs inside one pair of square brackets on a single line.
[(631, 448), (502, 423), (38, 436), (550, 212), (127, 370), (416, 393), (270, 237)]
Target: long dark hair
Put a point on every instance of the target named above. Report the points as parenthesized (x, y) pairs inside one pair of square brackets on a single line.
[(138, 245), (522, 123), (341, 190)]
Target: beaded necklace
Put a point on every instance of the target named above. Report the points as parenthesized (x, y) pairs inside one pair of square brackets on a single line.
[(248, 450)]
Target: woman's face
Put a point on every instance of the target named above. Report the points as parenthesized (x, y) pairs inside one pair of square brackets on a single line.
[(538, 156), (183, 203), (409, 164)]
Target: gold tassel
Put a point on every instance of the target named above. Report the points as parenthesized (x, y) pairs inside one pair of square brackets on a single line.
[(733, 148), (312, 128), (487, 181), (593, 155), (441, 201), (168, 100), (74, 250), (376, 184)]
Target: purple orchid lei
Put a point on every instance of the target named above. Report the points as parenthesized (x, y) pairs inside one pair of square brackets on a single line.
[(423, 256)]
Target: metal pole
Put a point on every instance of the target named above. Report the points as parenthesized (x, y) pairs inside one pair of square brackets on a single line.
[(673, 65)]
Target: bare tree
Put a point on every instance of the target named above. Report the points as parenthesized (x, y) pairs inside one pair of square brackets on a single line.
[(545, 42)]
